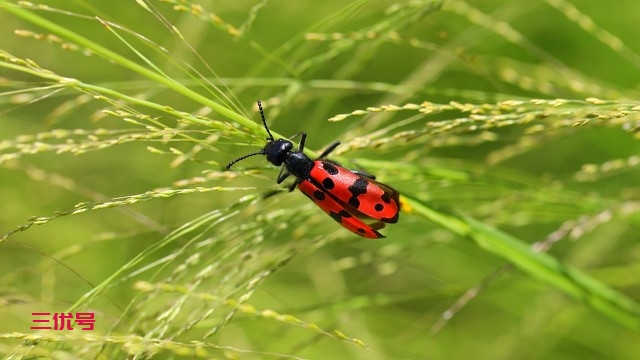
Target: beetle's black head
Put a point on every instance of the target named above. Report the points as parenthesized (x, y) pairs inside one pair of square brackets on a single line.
[(277, 151)]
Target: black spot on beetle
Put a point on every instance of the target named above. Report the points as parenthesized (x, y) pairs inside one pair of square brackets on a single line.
[(358, 187), (385, 197), (319, 195), (329, 168), (343, 214), (328, 183), (379, 207)]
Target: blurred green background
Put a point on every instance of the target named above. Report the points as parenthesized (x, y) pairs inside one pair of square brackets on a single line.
[(115, 200)]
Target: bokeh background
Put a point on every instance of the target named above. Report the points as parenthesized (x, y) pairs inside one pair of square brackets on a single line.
[(521, 115)]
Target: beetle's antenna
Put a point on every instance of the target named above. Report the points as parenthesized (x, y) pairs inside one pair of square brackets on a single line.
[(264, 121), (242, 158)]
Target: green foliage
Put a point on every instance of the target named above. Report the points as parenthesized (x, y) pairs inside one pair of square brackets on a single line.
[(510, 129)]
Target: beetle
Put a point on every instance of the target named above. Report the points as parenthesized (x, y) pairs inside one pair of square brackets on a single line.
[(347, 196)]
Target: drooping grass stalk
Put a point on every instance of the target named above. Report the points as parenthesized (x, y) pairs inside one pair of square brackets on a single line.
[(125, 62)]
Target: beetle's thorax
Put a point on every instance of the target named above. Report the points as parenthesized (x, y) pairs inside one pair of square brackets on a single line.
[(299, 164)]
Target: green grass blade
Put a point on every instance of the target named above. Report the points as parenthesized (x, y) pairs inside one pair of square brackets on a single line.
[(542, 266), (126, 63)]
